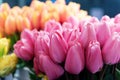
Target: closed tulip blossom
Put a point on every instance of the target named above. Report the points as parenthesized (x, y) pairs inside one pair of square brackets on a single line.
[(111, 49), (74, 21), (87, 34), (42, 43), (52, 70), (103, 29), (52, 26), (58, 47), (75, 62), (105, 18), (93, 56), (24, 48)]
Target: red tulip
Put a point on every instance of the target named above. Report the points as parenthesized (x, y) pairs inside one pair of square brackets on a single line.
[(111, 49), (52, 70), (58, 47), (75, 59), (93, 56)]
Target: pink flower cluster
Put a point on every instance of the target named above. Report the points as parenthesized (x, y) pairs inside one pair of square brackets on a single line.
[(71, 46)]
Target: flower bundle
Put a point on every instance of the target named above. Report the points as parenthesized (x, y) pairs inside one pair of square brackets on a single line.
[(17, 19), (8, 62), (72, 47)]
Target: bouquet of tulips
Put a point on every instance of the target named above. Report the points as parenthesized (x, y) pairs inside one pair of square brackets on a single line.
[(16, 19), (86, 49), (8, 62)]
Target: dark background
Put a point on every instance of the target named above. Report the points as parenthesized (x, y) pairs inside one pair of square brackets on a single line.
[(96, 8)]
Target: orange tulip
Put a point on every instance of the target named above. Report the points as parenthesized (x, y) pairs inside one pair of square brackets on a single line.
[(19, 23), (10, 25), (37, 5), (45, 16), (4, 7), (26, 23), (35, 18)]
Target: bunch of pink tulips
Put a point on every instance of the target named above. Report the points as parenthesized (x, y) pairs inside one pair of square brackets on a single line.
[(72, 46)]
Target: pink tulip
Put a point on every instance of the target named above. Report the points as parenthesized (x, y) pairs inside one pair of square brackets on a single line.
[(67, 25), (29, 36), (93, 56), (103, 33), (94, 20), (105, 18), (73, 20), (71, 35), (87, 34), (111, 49), (24, 50), (117, 19), (52, 26), (36, 67), (42, 43), (75, 59), (52, 70), (58, 47)]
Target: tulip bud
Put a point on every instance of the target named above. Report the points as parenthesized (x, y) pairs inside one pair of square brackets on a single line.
[(42, 43), (73, 20), (111, 49), (7, 64), (24, 48), (2, 23), (58, 47), (10, 25), (4, 7), (117, 18), (105, 18), (52, 26), (93, 58), (103, 29), (52, 70), (75, 59), (87, 34)]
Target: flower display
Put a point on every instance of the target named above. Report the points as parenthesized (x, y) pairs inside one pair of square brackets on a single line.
[(8, 61), (59, 41), (7, 64), (72, 47), (17, 19)]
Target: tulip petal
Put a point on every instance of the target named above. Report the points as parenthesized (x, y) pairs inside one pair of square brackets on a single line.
[(75, 59), (93, 55), (52, 70)]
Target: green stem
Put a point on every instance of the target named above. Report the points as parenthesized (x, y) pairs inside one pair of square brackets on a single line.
[(103, 72), (66, 76), (76, 77)]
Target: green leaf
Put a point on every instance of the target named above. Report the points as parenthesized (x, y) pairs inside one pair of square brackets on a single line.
[(117, 74), (108, 77), (1, 51)]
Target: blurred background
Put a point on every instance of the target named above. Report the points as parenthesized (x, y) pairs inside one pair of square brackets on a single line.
[(96, 8)]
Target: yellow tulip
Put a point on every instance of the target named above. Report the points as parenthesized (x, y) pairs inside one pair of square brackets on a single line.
[(4, 46), (7, 64)]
